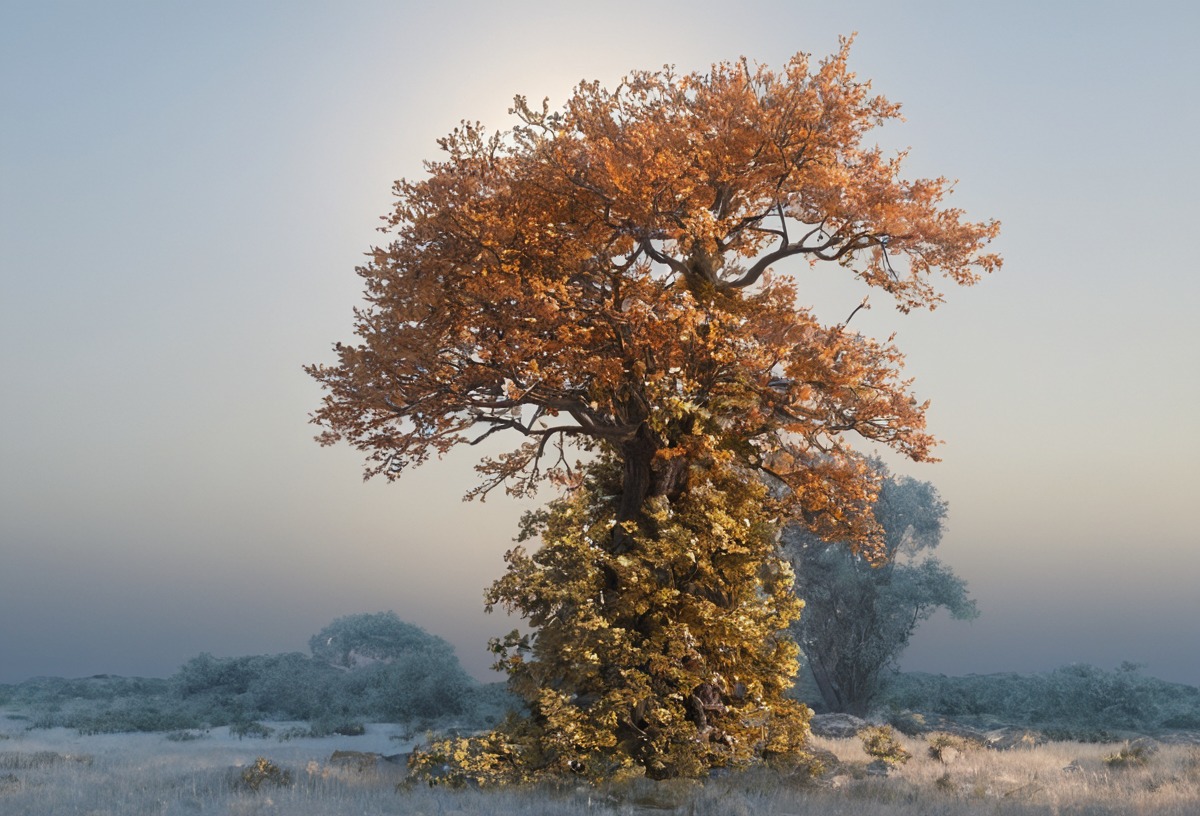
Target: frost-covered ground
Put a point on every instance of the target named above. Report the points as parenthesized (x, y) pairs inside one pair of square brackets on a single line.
[(57, 772), (209, 746)]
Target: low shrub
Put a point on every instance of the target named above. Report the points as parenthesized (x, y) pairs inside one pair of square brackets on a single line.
[(880, 742), (16, 761), (252, 729), (295, 732), (365, 668), (264, 772), (1133, 754), (946, 747), (1069, 703), (1093, 736), (131, 716), (327, 728), (188, 735)]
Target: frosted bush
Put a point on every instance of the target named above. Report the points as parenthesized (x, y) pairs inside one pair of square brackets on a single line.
[(880, 742), (1078, 701), (264, 772)]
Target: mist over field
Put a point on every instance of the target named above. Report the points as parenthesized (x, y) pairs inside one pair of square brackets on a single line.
[(376, 668), (189, 584)]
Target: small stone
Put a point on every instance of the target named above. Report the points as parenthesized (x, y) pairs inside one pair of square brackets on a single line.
[(879, 768)]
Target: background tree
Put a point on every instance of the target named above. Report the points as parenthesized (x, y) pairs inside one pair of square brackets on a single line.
[(372, 636), (400, 668), (372, 667), (599, 278), (861, 615)]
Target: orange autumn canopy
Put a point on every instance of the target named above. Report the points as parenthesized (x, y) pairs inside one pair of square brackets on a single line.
[(601, 276)]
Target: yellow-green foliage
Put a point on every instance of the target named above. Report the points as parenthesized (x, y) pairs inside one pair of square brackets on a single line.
[(264, 772), (941, 744), (666, 658), (880, 742), (1130, 755)]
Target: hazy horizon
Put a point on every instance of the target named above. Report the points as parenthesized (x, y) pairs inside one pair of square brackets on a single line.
[(185, 191)]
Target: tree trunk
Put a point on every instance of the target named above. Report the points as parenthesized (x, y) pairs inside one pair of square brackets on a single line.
[(644, 477), (637, 480), (826, 685)]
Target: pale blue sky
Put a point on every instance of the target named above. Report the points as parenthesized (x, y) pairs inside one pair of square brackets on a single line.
[(185, 189)]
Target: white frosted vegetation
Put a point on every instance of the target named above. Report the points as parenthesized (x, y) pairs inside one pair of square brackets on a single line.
[(57, 771), (363, 668)]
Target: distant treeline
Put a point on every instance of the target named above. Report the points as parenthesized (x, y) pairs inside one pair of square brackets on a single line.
[(364, 668), (376, 668), (1069, 700)]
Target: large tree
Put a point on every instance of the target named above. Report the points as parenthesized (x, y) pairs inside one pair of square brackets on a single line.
[(599, 277)]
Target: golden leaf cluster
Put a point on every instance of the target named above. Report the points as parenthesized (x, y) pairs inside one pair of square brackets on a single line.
[(666, 660)]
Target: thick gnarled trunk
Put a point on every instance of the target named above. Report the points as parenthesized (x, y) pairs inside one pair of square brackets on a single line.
[(637, 481), (644, 476)]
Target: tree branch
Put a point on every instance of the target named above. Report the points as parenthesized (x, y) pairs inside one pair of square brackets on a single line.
[(676, 265)]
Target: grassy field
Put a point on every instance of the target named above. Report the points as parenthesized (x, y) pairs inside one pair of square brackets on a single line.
[(57, 771)]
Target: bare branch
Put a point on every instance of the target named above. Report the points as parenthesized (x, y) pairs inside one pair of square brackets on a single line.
[(676, 265)]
